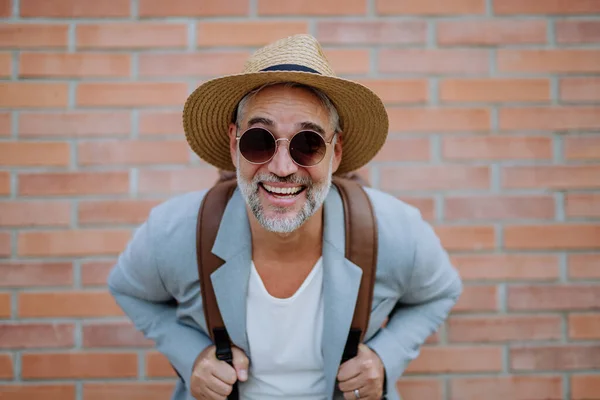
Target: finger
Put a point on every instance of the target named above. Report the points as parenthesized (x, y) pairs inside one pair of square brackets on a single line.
[(349, 369), (212, 395), (352, 383), (225, 372), (240, 363), (218, 386), (363, 394)]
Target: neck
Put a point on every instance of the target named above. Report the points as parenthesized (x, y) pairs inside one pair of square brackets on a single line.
[(287, 247)]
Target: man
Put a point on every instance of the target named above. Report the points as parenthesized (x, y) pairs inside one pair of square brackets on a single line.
[(286, 292)]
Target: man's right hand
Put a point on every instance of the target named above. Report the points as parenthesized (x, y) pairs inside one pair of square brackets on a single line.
[(212, 378)]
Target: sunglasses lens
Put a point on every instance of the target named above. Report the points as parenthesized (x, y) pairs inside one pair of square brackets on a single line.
[(307, 148), (257, 145)]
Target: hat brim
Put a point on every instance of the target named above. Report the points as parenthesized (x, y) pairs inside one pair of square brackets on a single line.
[(210, 109)]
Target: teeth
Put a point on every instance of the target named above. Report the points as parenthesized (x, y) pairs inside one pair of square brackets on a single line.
[(291, 190)]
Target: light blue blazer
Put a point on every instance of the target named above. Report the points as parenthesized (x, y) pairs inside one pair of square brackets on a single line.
[(155, 282)]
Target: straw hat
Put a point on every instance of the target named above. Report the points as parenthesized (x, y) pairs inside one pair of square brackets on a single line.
[(212, 106)]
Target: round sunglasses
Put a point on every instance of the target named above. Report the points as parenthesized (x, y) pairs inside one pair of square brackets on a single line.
[(306, 148)]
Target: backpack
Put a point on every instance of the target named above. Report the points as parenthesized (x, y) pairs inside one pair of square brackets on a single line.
[(360, 248)]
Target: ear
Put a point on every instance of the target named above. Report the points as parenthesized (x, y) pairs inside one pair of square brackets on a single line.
[(233, 143), (337, 152)]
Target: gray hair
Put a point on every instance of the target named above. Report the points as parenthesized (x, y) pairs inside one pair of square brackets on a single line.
[(334, 118)]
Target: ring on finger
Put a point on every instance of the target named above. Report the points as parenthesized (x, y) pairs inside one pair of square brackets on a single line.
[(356, 393)]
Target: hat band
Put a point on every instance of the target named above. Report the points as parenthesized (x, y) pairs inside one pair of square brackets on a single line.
[(290, 67)]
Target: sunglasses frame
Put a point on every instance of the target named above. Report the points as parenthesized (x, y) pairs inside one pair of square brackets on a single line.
[(327, 143)]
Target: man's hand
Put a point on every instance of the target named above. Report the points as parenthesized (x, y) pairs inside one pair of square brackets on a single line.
[(212, 378), (364, 373)]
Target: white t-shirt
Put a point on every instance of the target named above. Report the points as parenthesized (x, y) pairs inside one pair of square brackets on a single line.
[(284, 335)]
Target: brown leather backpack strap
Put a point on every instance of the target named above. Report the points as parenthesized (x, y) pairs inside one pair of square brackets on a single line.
[(209, 218), (361, 249)]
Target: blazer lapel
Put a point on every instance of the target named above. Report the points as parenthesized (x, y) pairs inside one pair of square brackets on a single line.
[(341, 281), (233, 244)]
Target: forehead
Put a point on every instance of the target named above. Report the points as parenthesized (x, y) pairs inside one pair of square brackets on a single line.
[(285, 105)]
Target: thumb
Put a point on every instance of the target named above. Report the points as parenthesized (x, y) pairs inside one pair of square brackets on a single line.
[(240, 363)]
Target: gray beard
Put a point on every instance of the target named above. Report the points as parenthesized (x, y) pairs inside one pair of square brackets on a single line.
[(315, 197)]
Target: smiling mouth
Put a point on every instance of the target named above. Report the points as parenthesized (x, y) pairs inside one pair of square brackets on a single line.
[(285, 193)]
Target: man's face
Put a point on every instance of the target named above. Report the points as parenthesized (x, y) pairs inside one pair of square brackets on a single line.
[(284, 112)]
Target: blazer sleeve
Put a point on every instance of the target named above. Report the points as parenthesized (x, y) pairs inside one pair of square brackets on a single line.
[(433, 289), (136, 285)]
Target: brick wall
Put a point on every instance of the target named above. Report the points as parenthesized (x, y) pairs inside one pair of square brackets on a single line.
[(495, 118)]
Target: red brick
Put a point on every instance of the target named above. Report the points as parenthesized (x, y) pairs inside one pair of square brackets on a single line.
[(582, 205), (312, 7), (4, 183), (95, 273), (74, 8), (28, 36), (551, 177), (37, 391), (128, 391), (124, 35), (433, 120), (79, 365), (5, 311), (6, 8), (426, 206), (497, 147), (72, 242), (6, 367), (433, 177), (158, 366), (35, 213), (6, 65), (203, 63), (35, 273), (584, 326), (160, 123), (420, 388), (35, 154), (507, 267), (556, 7), (5, 124), (74, 124), (73, 183), (131, 94), (33, 335), (132, 152), (494, 90), (457, 359), (584, 266), (549, 118), (411, 149), (368, 32), (498, 207), (574, 32), (477, 298), (582, 147), (507, 387), (504, 328), (437, 62), (33, 94), (154, 181), (580, 89), (68, 65), (246, 33), (585, 387), (72, 304), (554, 297), (106, 212), (5, 245), (113, 334), (192, 8), (548, 61), (392, 91), (491, 32), (349, 61), (430, 7), (555, 358), (552, 237), (466, 237)]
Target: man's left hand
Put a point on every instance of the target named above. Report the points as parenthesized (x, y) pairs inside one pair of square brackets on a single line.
[(364, 373)]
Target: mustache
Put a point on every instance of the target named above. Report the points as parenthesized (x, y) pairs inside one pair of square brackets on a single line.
[(290, 179)]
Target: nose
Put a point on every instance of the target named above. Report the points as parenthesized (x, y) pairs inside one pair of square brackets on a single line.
[(282, 164)]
